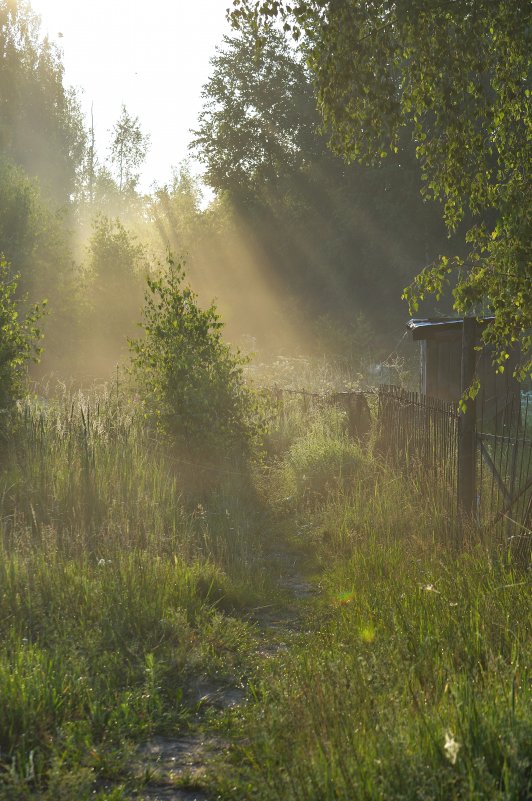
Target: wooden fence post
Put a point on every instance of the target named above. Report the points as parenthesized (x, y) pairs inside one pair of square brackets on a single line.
[(467, 424)]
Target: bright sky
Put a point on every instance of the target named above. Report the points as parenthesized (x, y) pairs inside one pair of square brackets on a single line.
[(152, 55)]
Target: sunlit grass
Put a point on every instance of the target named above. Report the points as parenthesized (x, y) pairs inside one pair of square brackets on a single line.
[(127, 574), (120, 581), (416, 685)]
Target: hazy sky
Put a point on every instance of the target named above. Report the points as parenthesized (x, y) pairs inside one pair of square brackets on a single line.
[(152, 55)]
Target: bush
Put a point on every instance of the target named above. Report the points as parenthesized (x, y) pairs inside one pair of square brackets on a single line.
[(191, 382), (18, 342), (322, 460)]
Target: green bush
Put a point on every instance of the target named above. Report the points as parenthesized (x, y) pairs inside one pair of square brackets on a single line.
[(18, 342), (191, 382), (323, 459)]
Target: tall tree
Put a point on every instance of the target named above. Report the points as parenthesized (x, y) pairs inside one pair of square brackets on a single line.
[(459, 74), (337, 237), (259, 118), (128, 150), (41, 126)]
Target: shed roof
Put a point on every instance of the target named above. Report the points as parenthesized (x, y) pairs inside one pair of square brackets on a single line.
[(431, 327)]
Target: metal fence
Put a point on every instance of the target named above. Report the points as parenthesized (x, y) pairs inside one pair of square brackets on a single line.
[(426, 437), (504, 464), (419, 436), (477, 469)]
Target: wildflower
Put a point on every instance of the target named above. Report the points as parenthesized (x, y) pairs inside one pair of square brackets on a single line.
[(431, 588), (451, 747)]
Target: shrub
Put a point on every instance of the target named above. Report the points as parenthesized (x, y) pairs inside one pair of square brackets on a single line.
[(18, 342), (191, 382), (323, 459)]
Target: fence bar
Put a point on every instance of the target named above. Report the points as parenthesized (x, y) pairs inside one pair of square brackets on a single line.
[(467, 421)]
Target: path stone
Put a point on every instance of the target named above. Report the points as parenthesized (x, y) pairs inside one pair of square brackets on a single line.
[(170, 760), (167, 762), (169, 794), (207, 693)]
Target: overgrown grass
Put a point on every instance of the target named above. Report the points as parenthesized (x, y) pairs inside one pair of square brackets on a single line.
[(318, 459), (120, 580), (126, 574), (416, 685)]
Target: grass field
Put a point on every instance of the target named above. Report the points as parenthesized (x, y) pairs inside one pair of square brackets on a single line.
[(129, 575)]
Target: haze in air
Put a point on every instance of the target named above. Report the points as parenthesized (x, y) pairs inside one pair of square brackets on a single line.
[(258, 539)]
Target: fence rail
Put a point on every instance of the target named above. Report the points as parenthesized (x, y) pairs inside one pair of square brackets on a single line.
[(419, 435), (427, 437), (504, 464)]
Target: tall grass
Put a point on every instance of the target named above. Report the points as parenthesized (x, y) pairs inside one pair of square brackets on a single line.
[(117, 563), (85, 475), (123, 572), (416, 685)]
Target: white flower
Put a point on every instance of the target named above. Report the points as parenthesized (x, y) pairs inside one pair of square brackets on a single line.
[(451, 747)]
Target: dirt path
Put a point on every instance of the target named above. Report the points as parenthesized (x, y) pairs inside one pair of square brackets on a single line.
[(174, 769)]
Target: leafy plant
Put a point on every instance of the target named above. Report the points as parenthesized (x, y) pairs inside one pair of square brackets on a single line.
[(18, 341), (191, 382), (128, 150), (458, 74)]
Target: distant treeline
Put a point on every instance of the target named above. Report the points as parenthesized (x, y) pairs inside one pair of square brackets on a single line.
[(300, 250)]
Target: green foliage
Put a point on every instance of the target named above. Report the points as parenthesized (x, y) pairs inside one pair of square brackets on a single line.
[(85, 469), (115, 257), (175, 211), (113, 585), (191, 383), (459, 74), (33, 238), (267, 126), (111, 293), (404, 678), (415, 688), (409, 677), (337, 238), (320, 461), (19, 336), (128, 150), (41, 126)]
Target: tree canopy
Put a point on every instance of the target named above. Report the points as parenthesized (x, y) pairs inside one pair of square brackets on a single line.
[(259, 116), (41, 126), (457, 74), (335, 237)]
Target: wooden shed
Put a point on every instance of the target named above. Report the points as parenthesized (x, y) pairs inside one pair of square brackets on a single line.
[(441, 354)]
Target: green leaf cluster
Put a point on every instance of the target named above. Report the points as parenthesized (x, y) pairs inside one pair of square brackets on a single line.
[(191, 383), (459, 73), (19, 337), (41, 124)]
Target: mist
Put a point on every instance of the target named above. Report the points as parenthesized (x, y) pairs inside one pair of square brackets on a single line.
[(302, 255)]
